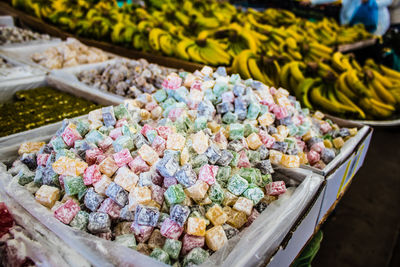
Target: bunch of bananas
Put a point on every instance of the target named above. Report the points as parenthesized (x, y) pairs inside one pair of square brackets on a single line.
[(336, 84), (191, 29)]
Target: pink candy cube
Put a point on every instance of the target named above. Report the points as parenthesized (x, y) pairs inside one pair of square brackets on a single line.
[(92, 154), (151, 105), (196, 85), (280, 112), (123, 157), (325, 127), (115, 133), (67, 211), (275, 188), (190, 242), (208, 173), (266, 139), (171, 229), (318, 147), (121, 122), (91, 175), (145, 129), (243, 160), (157, 193), (110, 207), (105, 143), (313, 157), (175, 113), (70, 135), (164, 131), (142, 232), (158, 145), (138, 165), (173, 81), (301, 144), (221, 140), (41, 159), (228, 97)]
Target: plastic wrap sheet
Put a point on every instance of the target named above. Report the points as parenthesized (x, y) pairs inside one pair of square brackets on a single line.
[(347, 149), (24, 53), (19, 71), (69, 76), (252, 247), (37, 242), (29, 43), (256, 244), (7, 21), (97, 251)]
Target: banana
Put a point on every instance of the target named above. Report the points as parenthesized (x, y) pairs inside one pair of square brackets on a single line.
[(180, 49), (390, 73), (154, 38), (371, 107), (341, 85), (166, 44), (381, 91), (296, 72), (337, 61), (284, 76), (346, 101), (256, 72), (302, 92), (356, 85), (242, 63), (322, 102), (322, 48), (193, 53), (383, 80)]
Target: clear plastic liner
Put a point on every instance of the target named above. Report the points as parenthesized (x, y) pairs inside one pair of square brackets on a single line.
[(255, 245), (36, 241), (18, 71)]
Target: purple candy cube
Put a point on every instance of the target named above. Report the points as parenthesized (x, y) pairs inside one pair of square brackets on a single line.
[(179, 214), (146, 215)]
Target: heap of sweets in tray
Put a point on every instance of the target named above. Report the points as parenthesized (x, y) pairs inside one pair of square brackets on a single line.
[(69, 54), (127, 78), (249, 112), (176, 193), (40, 106), (12, 35)]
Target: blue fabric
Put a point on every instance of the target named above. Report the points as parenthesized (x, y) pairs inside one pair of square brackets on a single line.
[(367, 13)]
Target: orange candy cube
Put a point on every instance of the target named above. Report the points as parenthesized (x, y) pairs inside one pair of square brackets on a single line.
[(216, 215), (196, 226)]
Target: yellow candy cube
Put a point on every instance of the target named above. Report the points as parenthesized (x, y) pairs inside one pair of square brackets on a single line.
[(187, 201), (214, 126), (101, 186), (244, 205), (200, 142), (95, 115), (290, 161), (176, 141), (69, 167), (30, 147), (275, 156), (319, 115), (303, 158), (253, 141), (353, 131), (198, 190), (216, 238), (235, 218), (308, 136), (47, 195), (338, 142), (189, 80), (126, 178), (216, 215), (145, 114), (156, 113), (278, 137), (328, 143), (283, 131), (266, 119), (229, 199), (268, 199), (196, 226), (139, 195), (205, 201), (108, 166), (148, 154), (184, 158)]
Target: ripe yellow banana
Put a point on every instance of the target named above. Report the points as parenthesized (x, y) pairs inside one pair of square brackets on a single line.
[(383, 94)]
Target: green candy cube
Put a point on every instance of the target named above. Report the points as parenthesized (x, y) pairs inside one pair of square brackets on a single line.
[(293, 130), (253, 111), (200, 123), (229, 118), (174, 194), (264, 109), (195, 257), (151, 134), (121, 112), (181, 94), (219, 88), (25, 176), (160, 255), (126, 131), (264, 180), (235, 159), (223, 175), (183, 74), (82, 126), (199, 161), (173, 248), (235, 78), (105, 130), (249, 129), (80, 221), (58, 144), (160, 95), (94, 137), (73, 185), (237, 185), (254, 193), (254, 156), (216, 193), (306, 111), (252, 175), (236, 131), (123, 142), (65, 153), (168, 103), (127, 240)]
